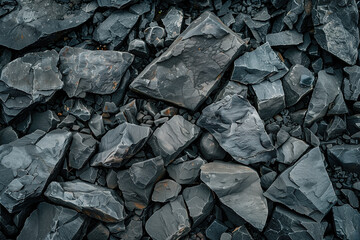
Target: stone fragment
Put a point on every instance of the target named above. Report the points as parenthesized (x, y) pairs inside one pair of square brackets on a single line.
[(99, 232), (115, 3), (140, 8), (173, 22), (294, 9), (353, 123), (278, 3), (154, 36), (351, 197), (336, 128), (96, 125), (259, 29), (241, 233), (68, 122), (44, 121), (191, 68), (133, 231), (138, 48), (284, 38), (7, 135), (82, 147), (311, 138), (87, 173), (347, 156), (210, 148), (296, 56), (5, 57), (165, 190), (232, 88), (186, 172), (79, 109), (347, 222), (352, 83), (214, 231), (291, 150)]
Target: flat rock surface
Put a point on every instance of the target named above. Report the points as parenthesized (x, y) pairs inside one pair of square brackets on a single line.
[(347, 156), (347, 222), (186, 172), (165, 190), (291, 150)]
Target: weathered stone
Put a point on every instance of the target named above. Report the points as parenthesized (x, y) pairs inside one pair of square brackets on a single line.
[(351, 197), (347, 222), (214, 231), (259, 29), (336, 128), (99, 232), (87, 173), (44, 121), (285, 38), (79, 109), (232, 88), (82, 147), (173, 22), (296, 56), (352, 83), (115, 3), (133, 231), (186, 172), (154, 36), (7, 135), (241, 233), (346, 156), (138, 47), (165, 190), (291, 150), (96, 125), (210, 148)]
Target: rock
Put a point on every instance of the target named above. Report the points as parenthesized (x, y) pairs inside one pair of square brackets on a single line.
[(44, 121), (174, 221), (270, 98), (254, 67), (186, 172), (8, 225), (173, 22), (49, 221), (346, 156), (82, 148), (133, 231), (311, 138), (79, 109), (352, 83), (154, 36), (232, 88), (137, 183), (285, 38), (7, 135), (353, 123), (295, 56), (87, 173), (138, 48), (214, 231), (259, 29), (210, 148), (278, 3), (120, 144), (241, 233), (165, 190), (238, 187), (96, 125), (68, 121), (347, 222), (336, 128), (293, 84), (95, 201), (99, 232), (27, 80), (232, 118), (87, 71), (305, 187), (169, 140), (26, 24), (291, 150), (28, 164), (140, 8), (115, 3), (111, 179), (294, 9), (190, 69), (351, 197)]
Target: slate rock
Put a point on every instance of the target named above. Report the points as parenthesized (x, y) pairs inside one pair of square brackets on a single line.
[(232, 88), (284, 38), (99, 232), (79, 109), (352, 83), (291, 150), (232, 118), (347, 222), (254, 67), (259, 29), (87, 71), (214, 231), (95, 201), (120, 144), (296, 56), (8, 225), (186, 172), (278, 3), (305, 187), (241, 233), (138, 48), (27, 80), (7, 135), (87, 173), (347, 156), (44, 121), (351, 197), (133, 231), (173, 21), (191, 68), (210, 148), (165, 190), (82, 148), (238, 187), (154, 36), (96, 125), (5, 57), (336, 128), (115, 3)]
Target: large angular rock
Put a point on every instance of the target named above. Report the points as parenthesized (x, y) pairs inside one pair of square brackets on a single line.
[(347, 222), (173, 22), (232, 118), (254, 67), (232, 88), (186, 172), (95, 201), (49, 221), (352, 83), (192, 66), (346, 156), (82, 147), (27, 80), (285, 38), (238, 187), (305, 187), (28, 164), (86, 71), (291, 150), (34, 20), (120, 144)]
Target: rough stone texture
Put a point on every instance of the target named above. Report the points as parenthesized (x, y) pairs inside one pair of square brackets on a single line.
[(347, 222), (86, 71), (241, 233), (215, 230), (165, 190), (238, 187), (346, 156), (33, 20), (186, 172), (95, 201), (44, 121), (173, 21), (28, 164), (336, 128), (115, 3), (232, 88), (285, 38), (192, 66), (133, 231), (210, 148), (99, 232), (291, 150), (232, 118), (154, 36), (352, 83), (7, 135), (120, 144), (305, 187), (27, 80), (82, 147)]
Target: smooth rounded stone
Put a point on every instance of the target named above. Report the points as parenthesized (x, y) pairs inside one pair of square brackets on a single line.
[(258, 65), (116, 3), (336, 128), (138, 48), (49, 221), (95, 201), (99, 232), (285, 224), (291, 150), (40, 19), (96, 125), (200, 201), (305, 187), (210, 148), (232, 118), (173, 22), (226, 236), (27, 80), (44, 121), (133, 231), (215, 230), (111, 179), (120, 144), (347, 222), (82, 147), (174, 220), (352, 83), (238, 187), (285, 38), (87, 71), (186, 172), (28, 164), (347, 156), (232, 88), (169, 140), (293, 87), (167, 78), (8, 135), (241, 233), (165, 190)]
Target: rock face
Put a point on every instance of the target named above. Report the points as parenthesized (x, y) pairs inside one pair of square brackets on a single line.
[(347, 222), (31, 79), (86, 71), (186, 172), (95, 201), (166, 190), (82, 147), (305, 187), (291, 150), (352, 83), (192, 66), (238, 187), (232, 118), (28, 164), (285, 38), (336, 28), (31, 21), (346, 156)]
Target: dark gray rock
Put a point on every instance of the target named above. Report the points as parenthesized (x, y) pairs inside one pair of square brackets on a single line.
[(347, 222), (352, 83), (87, 173), (232, 88), (87, 71), (7, 135), (133, 231), (346, 156), (311, 138), (259, 29), (353, 123), (232, 118), (285, 38), (192, 66), (138, 48), (291, 150), (210, 148), (99, 232), (173, 21), (241, 233), (44, 121), (82, 147), (96, 125), (27, 80), (293, 10), (351, 197), (115, 3), (120, 144), (68, 121), (214, 231), (165, 191), (5, 57), (254, 67), (111, 179), (95, 201), (278, 3), (173, 137), (305, 187), (238, 187), (186, 172), (296, 56), (141, 7), (155, 36), (79, 109), (336, 128)]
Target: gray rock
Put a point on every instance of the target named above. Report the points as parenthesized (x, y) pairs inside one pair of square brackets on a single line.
[(232, 88), (351, 197), (116, 3), (154, 36), (138, 48), (87, 71), (173, 21), (99, 232), (7, 135), (68, 121), (241, 233), (96, 125), (210, 148), (284, 38), (120, 144), (192, 66), (79, 109), (278, 3), (140, 8), (353, 123), (215, 230), (174, 221), (291, 150), (44, 121), (87, 173), (27, 80), (186, 172), (165, 190), (296, 56), (232, 118), (311, 138), (5, 57), (293, 10), (336, 128), (254, 67), (169, 140), (82, 147), (28, 164), (238, 187), (95, 201), (347, 222), (346, 156), (305, 187), (111, 179), (352, 83), (133, 231), (259, 29)]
